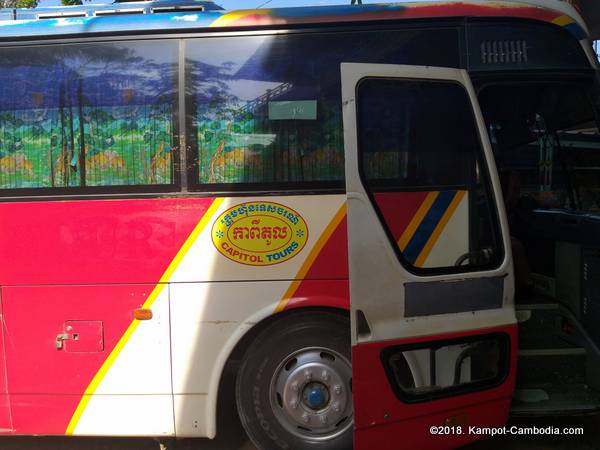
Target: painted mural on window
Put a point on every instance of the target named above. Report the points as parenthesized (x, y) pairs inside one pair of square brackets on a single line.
[(267, 109), (87, 115), (261, 117)]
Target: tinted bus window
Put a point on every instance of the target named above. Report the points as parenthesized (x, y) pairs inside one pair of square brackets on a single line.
[(267, 109), (87, 115), (422, 162)]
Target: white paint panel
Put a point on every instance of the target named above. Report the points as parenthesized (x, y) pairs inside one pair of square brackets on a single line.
[(453, 242), (192, 413), (208, 319), (377, 276), (127, 415), (204, 317), (134, 398), (142, 367)]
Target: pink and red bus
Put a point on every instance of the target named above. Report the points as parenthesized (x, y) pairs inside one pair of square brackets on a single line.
[(318, 217)]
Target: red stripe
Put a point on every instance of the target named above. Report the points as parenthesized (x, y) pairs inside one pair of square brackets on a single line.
[(415, 11), (326, 282), (398, 209)]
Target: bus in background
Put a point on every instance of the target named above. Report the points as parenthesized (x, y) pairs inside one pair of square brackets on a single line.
[(297, 214)]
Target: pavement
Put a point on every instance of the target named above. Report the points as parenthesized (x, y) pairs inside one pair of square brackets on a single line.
[(590, 440)]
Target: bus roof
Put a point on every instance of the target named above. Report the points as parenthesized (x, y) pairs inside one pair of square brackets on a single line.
[(194, 15)]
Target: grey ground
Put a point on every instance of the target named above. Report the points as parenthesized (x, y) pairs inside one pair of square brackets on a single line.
[(589, 441)]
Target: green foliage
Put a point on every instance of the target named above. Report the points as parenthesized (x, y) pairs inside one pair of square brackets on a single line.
[(18, 3), (33, 3)]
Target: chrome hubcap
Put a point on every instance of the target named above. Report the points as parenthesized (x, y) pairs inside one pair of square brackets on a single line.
[(311, 393)]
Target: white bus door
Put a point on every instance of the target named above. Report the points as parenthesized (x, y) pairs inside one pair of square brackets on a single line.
[(431, 289)]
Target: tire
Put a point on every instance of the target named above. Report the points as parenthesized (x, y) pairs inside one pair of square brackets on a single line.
[(293, 390)]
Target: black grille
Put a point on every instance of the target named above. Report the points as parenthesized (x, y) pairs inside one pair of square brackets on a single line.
[(504, 52)]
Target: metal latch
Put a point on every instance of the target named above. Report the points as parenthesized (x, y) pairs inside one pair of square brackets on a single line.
[(62, 337)]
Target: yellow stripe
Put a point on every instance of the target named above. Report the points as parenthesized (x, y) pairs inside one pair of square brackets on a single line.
[(439, 228), (563, 21), (228, 18), (416, 220), (147, 304), (291, 290)]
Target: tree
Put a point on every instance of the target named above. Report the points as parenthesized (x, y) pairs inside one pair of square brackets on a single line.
[(71, 2), (18, 3)]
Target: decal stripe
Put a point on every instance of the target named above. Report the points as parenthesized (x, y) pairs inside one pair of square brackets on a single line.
[(416, 220), (231, 17), (439, 228), (563, 21), (289, 293), (427, 226), (93, 386)]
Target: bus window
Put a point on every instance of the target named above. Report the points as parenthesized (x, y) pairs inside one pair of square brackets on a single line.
[(422, 163), (91, 115), (266, 110)]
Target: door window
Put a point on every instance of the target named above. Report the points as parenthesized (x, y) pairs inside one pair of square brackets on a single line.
[(421, 162), (426, 371)]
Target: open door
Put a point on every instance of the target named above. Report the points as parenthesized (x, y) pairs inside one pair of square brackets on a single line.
[(431, 286)]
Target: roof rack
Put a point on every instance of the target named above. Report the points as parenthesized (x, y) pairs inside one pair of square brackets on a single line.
[(118, 8)]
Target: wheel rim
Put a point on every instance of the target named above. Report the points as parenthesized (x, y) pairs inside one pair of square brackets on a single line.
[(311, 393)]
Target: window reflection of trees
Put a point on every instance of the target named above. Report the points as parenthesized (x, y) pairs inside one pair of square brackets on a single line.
[(75, 115)]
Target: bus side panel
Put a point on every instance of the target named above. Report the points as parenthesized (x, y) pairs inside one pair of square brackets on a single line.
[(83, 272), (47, 377), (209, 318), (86, 261), (5, 417)]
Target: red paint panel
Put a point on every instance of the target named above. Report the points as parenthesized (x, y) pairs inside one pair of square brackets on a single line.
[(34, 317), (326, 282), (380, 418), (415, 431), (321, 293), (49, 270), (93, 242), (84, 336), (420, 11), (398, 209), (42, 414), (332, 260), (5, 417)]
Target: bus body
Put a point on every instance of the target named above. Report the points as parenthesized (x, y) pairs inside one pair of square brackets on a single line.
[(197, 202)]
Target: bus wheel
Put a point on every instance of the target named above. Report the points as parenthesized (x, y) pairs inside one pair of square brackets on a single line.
[(294, 387)]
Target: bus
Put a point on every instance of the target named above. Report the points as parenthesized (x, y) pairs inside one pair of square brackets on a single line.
[(348, 225)]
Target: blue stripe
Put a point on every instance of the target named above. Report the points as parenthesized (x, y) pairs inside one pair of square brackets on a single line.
[(430, 221), (576, 30)]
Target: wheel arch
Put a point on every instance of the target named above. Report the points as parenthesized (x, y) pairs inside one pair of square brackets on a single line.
[(226, 367)]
